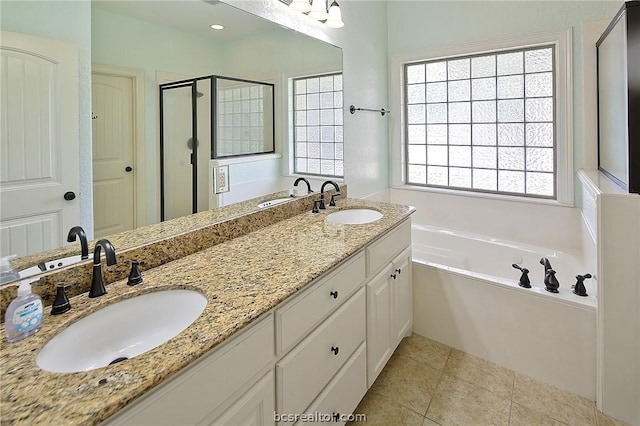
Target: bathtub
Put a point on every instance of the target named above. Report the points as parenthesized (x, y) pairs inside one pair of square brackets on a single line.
[(466, 295)]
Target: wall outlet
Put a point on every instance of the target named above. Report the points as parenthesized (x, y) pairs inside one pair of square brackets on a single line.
[(221, 179)]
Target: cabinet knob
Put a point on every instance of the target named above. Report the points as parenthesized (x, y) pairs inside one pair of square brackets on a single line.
[(69, 195), (335, 350), (399, 271), (393, 276), (334, 294)]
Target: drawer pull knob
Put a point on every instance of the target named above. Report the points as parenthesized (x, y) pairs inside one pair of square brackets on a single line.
[(334, 294), (335, 350), (399, 271), (393, 276)]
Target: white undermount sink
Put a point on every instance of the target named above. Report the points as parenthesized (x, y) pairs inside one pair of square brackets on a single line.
[(121, 331), (354, 216)]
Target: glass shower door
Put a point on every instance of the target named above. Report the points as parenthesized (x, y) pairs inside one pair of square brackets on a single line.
[(177, 135)]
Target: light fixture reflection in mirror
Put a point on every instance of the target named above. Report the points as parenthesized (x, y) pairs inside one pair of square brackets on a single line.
[(320, 10)]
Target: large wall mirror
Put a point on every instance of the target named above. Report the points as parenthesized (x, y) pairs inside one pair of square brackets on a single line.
[(166, 41)]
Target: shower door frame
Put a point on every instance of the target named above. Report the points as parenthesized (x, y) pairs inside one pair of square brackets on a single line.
[(194, 132), (193, 82)]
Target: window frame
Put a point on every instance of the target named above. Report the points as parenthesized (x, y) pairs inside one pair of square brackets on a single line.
[(563, 111)]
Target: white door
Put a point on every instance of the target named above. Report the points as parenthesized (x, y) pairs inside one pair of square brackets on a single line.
[(113, 146), (38, 143)]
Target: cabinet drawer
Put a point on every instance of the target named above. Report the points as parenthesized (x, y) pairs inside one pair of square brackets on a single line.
[(296, 318), (344, 392), (306, 370), (204, 386), (382, 251)]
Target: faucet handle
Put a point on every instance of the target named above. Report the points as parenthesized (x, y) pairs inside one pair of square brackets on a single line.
[(579, 288), (332, 203), (135, 276), (524, 278), (315, 206), (61, 304)]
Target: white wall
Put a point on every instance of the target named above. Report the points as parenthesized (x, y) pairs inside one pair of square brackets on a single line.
[(364, 46), (416, 27)]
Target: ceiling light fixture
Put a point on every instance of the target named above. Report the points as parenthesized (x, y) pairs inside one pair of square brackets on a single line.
[(317, 9), (301, 5), (217, 27), (335, 16)]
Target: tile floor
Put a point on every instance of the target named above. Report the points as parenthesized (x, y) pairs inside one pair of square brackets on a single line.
[(427, 383)]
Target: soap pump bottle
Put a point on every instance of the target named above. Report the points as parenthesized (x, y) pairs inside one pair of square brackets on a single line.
[(7, 273), (24, 314)]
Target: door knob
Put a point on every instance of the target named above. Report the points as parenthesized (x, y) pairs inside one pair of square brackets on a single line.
[(69, 195), (128, 169)]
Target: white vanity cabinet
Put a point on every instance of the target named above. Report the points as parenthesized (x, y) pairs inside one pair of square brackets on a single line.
[(233, 382), (316, 354), (328, 322), (389, 297)]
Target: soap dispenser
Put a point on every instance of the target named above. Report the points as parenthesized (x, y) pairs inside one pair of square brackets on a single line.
[(7, 273), (24, 314)]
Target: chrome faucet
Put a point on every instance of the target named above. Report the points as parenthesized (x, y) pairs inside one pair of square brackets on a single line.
[(77, 231), (335, 185), (309, 190), (97, 287)]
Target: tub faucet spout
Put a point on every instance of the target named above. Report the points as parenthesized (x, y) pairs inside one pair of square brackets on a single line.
[(547, 265), (551, 282)]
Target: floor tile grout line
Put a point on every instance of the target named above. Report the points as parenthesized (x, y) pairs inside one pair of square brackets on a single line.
[(435, 391)]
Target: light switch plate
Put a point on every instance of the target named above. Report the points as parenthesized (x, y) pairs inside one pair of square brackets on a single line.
[(221, 179)]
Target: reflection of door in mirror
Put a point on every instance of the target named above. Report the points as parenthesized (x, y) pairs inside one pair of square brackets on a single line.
[(39, 143), (113, 147)]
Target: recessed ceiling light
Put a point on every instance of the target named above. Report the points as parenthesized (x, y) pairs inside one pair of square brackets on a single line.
[(217, 27)]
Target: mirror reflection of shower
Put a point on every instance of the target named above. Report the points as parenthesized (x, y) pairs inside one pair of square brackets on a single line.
[(194, 129), (185, 117)]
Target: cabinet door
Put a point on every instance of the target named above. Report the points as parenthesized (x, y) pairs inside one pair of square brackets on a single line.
[(401, 297), (378, 323), (255, 408)]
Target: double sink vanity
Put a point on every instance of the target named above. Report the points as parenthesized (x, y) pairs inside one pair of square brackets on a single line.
[(297, 317)]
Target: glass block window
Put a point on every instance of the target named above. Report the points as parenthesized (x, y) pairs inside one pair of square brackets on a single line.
[(317, 125), (244, 118), (483, 122)]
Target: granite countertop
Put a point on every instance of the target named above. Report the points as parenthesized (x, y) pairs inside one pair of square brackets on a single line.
[(242, 279)]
